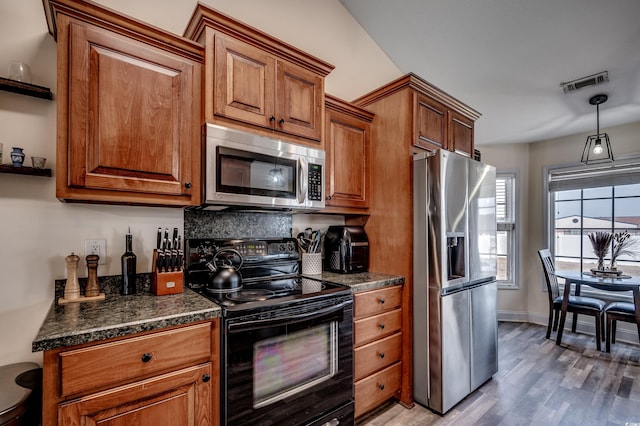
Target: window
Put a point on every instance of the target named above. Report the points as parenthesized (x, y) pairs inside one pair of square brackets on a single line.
[(507, 229), (585, 200)]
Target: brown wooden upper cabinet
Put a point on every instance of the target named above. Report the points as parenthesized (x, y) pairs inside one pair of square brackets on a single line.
[(128, 108), (440, 126), (255, 80), (348, 157)]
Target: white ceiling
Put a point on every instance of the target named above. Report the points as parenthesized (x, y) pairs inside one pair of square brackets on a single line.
[(507, 58)]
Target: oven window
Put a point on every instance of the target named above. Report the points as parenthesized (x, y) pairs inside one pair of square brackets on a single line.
[(286, 364), (255, 174)]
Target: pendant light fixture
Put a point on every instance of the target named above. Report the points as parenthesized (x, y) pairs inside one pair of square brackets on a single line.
[(597, 149)]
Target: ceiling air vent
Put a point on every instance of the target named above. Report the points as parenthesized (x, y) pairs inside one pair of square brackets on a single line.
[(592, 80)]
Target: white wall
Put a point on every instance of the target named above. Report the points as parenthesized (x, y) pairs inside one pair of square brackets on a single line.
[(37, 231), (514, 157), (530, 301)]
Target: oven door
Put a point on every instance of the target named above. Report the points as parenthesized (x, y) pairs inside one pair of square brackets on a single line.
[(291, 369)]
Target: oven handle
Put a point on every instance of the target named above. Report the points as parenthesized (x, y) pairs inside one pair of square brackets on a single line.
[(289, 319)]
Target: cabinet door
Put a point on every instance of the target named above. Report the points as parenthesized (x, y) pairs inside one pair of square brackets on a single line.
[(244, 82), (178, 398), (461, 131), (347, 159), (299, 101), (132, 120), (430, 123)]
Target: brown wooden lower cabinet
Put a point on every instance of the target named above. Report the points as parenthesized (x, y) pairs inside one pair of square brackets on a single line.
[(375, 389), (177, 398), (377, 347), (170, 376)]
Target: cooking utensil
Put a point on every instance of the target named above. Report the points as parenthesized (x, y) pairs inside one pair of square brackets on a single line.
[(175, 238), (159, 239), (224, 276)]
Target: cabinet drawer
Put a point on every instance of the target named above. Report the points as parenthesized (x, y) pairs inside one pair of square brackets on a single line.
[(375, 327), (111, 363), (377, 388), (376, 301), (376, 355)]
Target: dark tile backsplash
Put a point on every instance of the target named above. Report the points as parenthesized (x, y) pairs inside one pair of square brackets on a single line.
[(219, 224), (109, 284)]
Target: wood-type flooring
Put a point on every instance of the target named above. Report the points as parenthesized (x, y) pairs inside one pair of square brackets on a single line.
[(540, 383)]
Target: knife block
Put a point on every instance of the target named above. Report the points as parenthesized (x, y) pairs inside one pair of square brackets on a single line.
[(163, 283)]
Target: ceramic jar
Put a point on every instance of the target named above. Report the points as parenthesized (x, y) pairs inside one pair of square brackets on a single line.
[(17, 157)]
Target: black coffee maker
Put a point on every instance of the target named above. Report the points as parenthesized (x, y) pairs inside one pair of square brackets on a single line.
[(346, 250)]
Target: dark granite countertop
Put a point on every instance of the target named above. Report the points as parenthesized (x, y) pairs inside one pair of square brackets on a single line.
[(84, 322), (362, 281)]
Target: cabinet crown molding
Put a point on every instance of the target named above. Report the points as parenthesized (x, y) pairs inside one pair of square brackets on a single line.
[(125, 25), (204, 16), (418, 84)]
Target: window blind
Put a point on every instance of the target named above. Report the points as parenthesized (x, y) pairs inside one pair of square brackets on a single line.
[(504, 198), (580, 177)]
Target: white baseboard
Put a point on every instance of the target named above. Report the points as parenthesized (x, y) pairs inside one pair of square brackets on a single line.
[(625, 332)]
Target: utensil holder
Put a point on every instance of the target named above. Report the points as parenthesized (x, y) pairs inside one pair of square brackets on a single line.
[(163, 283), (312, 263)]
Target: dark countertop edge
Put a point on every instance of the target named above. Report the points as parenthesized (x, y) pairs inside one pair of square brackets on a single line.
[(126, 329), (363, 281)]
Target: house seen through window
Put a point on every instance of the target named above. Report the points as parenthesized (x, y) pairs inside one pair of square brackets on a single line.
[(588, 201)]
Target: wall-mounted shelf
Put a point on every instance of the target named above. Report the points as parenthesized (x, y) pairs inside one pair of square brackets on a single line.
[(25, 89), (31, 171)]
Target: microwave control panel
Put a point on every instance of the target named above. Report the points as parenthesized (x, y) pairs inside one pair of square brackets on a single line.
[(315, 182)]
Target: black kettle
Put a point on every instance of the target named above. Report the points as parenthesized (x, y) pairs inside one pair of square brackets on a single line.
[(224, 276)]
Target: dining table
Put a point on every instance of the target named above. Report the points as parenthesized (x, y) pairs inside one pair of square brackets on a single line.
[(609, 282)]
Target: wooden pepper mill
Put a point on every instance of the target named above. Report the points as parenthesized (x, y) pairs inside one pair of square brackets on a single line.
[(72, 287), (93, 287)]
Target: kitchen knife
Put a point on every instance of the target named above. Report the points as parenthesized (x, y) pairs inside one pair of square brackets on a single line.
[(168, 260), (175, 238), (159, 240), (179, 255), (160, 261), (174, 258), (166, 234)]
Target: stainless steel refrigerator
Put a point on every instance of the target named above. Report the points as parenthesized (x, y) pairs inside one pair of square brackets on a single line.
[(455, 340)]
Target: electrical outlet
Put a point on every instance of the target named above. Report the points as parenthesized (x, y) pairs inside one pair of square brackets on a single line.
[(98, 247)]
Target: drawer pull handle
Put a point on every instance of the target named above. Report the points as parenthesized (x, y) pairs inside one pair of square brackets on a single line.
[(381, 386), (381, 355), (381, 300), (206, 378), (146, 357), (381, 326)]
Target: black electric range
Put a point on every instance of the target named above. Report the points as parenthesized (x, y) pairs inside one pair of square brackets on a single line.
[(270, 275), (286, 340)]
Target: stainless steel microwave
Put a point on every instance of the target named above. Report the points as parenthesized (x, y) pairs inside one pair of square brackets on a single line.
[(245, 169)]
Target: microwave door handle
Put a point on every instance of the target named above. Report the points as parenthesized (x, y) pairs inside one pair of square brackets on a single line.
[(301, 195), (286, 320)]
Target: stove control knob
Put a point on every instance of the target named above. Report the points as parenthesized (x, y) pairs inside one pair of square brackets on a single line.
[(291, 248)]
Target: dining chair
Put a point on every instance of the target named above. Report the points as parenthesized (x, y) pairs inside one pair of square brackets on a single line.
[(618, 311), (576, 304)]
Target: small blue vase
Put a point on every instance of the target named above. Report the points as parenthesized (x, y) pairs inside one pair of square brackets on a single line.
[(17, 157)]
